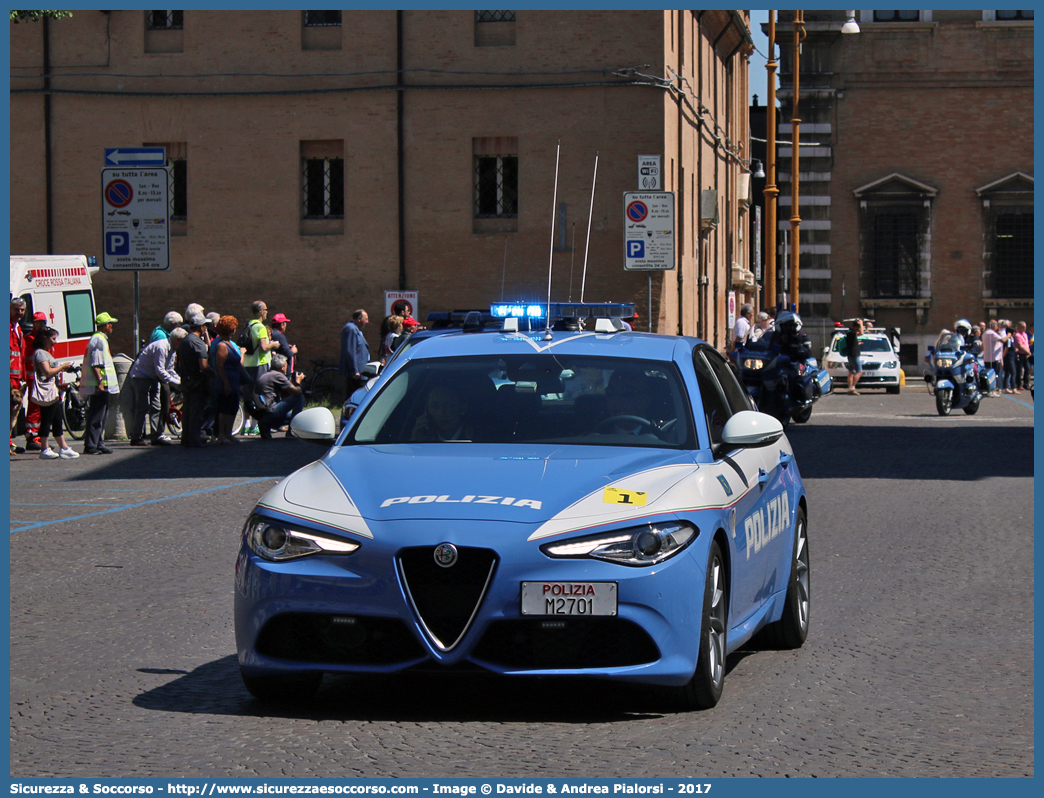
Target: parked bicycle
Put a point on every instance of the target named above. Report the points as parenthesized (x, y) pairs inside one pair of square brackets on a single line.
[(326, 386)]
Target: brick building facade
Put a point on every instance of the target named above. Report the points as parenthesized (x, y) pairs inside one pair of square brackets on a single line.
[(916, 193), (320, 159)]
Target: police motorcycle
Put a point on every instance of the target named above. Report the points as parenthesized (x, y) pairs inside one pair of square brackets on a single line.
[(780, 373), (957, 376)]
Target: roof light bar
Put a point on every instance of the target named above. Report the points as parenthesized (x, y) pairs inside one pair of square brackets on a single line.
[(562, 310)]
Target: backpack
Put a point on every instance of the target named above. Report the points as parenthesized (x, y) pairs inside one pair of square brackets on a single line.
[(245, 340)]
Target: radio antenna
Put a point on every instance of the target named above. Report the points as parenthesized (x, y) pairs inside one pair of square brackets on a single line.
[(503, 271), (590, 214), (554, 205), (572, 258)]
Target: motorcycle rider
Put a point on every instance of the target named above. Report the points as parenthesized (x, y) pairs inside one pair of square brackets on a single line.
[(973, 346), (787, 339)]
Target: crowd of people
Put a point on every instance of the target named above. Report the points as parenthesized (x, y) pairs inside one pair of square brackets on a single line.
[(219, 367), (198, 354), (1007, 348)]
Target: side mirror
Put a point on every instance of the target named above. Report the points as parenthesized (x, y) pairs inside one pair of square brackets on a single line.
[(931, 349), (751, 429), (315, 425)]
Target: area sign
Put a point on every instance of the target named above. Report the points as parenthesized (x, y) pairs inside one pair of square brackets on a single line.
[(648, 230), (135, 224)]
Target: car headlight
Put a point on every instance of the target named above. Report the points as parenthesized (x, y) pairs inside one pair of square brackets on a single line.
[(274, 541), (944, 362), (643, 545), (891, 364), (753, 363)]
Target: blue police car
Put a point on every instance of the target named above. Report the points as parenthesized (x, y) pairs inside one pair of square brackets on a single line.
[(569, 501)]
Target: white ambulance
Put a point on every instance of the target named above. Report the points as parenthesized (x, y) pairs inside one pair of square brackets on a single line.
[(60, 287)]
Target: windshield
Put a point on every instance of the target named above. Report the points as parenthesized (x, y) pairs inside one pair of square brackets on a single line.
[(950, 342), (535, 398), (866, 344)]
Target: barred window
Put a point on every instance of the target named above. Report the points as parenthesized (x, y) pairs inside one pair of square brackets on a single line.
[(496, 186), (178, 188), (1005, 15), (1013, 253), (896, 254), (322, 188), (503, 16), (166, 20), (897, 16), (322, 19)]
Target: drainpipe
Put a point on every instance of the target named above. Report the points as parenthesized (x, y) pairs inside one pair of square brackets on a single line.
[(401, 156), (47, 135)]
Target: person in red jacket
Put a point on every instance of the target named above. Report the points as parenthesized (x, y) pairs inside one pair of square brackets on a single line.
[(17, 366), (32, 411)]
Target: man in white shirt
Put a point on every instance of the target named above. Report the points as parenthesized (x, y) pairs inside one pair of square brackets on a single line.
[(742, 328), (154, 366)]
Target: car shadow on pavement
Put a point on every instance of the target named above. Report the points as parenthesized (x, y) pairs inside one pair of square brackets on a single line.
[(826, 451), (417, 697), (249, 458)]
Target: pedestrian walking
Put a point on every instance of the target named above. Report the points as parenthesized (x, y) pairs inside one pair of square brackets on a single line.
[(48, 396), (1008, 336), (153, 368), (97, 383), (17, 367), (993, 353), (257, 347), (741, 330), (855, 367), (1022, 355), (278, 332), (194, 371), (226, 361), (32, 410), (354, 352)]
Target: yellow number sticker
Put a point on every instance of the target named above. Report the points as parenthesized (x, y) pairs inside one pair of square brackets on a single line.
[(633, 497)]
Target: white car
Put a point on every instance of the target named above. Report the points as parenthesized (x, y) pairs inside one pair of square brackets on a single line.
[(877, 353)]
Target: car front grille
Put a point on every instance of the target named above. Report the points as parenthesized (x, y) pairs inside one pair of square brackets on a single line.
[(446, 599), (338, 639), (552, 643)]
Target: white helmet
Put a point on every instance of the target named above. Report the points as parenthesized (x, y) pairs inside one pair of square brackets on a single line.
[(963, 326), (788, 321)]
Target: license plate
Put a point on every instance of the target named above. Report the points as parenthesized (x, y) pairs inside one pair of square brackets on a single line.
[(569, 598)]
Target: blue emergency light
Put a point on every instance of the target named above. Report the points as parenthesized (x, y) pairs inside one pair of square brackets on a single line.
[(562, 310)]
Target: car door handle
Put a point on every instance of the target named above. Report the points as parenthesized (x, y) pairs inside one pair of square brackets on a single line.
[(785, 459)]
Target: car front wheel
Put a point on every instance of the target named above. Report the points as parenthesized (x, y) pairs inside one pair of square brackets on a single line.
[(703, 690)]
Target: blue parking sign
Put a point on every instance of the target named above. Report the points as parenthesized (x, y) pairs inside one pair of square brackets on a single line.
[(636, 248), (117, 243)]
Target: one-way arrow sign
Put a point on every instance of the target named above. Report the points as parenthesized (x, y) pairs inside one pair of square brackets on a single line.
[(135, 156)]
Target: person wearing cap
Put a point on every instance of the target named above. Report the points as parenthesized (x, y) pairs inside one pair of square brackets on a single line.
[(194, 370), (32, 410), (257, 359), (97, 383), (278, 331), (17, 366), (154, 366), (164, 328)]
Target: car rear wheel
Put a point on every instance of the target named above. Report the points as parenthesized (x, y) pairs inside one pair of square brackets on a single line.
[(703, 690), (791, 630), (283, 688)]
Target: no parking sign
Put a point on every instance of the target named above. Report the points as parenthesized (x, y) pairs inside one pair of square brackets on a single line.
[(648, 230)]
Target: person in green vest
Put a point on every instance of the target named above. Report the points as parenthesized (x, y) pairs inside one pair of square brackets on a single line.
[(257, 356)]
